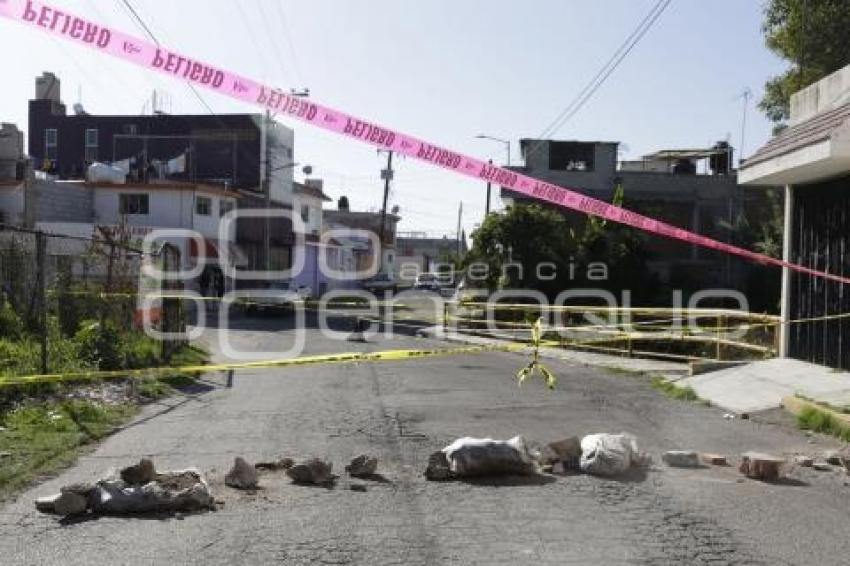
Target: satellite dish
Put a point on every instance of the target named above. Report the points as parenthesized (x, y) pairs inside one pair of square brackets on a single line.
[(307, 169)]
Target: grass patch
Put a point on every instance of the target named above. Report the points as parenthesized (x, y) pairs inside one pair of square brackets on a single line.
[(838, 409), (41, 438), (47, 434), (616, 370), (674, 391), (190, 355), (157, 387), (817, 420)]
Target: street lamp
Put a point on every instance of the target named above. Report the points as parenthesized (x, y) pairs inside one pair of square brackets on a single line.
[(508, 147), (307, 169), (500, 140)]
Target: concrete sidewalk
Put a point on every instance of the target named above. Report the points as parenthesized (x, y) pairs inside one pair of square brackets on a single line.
[(762, 385)]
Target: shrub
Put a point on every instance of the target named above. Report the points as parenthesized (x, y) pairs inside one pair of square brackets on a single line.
[(817, 420), (11, 325), (141, 351), (100, 345)]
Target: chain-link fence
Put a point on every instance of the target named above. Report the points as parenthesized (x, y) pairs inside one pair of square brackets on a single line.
[(71, 304)]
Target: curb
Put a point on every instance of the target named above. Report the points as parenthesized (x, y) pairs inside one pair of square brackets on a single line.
[(795, 406)]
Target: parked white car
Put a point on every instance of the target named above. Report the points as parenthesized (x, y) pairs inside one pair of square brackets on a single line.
[(381, 283), (427, 282), (280, 296)]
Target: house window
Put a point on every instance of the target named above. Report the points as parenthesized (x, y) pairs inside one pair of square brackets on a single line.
[(133, 203), (51, 143), (91, 145), (571, 156), (224, 207), (203, 206), (305, 213)]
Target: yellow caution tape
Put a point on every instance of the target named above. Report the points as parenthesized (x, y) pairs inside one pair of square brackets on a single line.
[(386, 355)]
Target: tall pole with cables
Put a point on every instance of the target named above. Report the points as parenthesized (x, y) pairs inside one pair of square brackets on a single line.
[(387, 175)]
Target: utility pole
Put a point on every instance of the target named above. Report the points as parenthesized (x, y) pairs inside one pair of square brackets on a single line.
[(459, 217), (41, 295), (267, 190), (387, 175), (487, 204)]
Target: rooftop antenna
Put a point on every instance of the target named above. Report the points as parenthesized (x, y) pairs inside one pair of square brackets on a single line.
[(745, 95)]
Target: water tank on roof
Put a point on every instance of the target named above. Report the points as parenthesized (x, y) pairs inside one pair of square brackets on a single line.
[(721, 161), (684, 167), (47, 87)]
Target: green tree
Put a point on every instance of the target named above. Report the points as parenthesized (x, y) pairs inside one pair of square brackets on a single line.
[(514, 242), (812, 36)]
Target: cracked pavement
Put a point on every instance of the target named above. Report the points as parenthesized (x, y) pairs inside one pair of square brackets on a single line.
[(403, 411)]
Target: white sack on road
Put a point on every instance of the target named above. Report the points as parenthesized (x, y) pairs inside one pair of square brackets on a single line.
[(484, 456), (609, 454)]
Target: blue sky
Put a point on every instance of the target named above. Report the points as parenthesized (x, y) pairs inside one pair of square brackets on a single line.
[(443, 70)]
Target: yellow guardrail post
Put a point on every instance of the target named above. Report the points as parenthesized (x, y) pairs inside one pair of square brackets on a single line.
[(717, 327)]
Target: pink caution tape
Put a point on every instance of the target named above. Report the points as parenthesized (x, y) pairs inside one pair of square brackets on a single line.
[(148, 55)]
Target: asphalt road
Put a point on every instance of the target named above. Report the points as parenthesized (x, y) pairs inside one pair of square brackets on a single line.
[(403, 411)]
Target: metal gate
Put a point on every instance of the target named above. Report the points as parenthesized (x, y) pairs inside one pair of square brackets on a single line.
[(821, 240)]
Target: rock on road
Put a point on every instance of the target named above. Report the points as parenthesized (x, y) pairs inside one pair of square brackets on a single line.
[(401, 412)]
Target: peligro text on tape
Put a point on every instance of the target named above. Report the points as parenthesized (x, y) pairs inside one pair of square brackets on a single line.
[(150, 56)]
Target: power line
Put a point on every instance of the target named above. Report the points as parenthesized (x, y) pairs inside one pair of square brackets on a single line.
[(260, 52), (141, 22), (604, 72), (287, 35), (273, 40), (609, 67), (153, 38)]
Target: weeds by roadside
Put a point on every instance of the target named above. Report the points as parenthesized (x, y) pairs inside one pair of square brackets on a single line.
[(45, 429), (39, 439), (664, 386), (817, 420), (673, 391)]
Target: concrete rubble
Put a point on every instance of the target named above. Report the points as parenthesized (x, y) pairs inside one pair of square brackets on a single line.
[(804, 461), (438, 467), (681, 459), (362, 466), (70, 503), (242, 475), (282, 464), (714, 459), (313, 471), (138, 489), (761, 466), (140, 473), (835, 457), (563, 454)]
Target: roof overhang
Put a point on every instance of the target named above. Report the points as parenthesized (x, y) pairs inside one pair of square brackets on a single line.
[(821, 160)]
